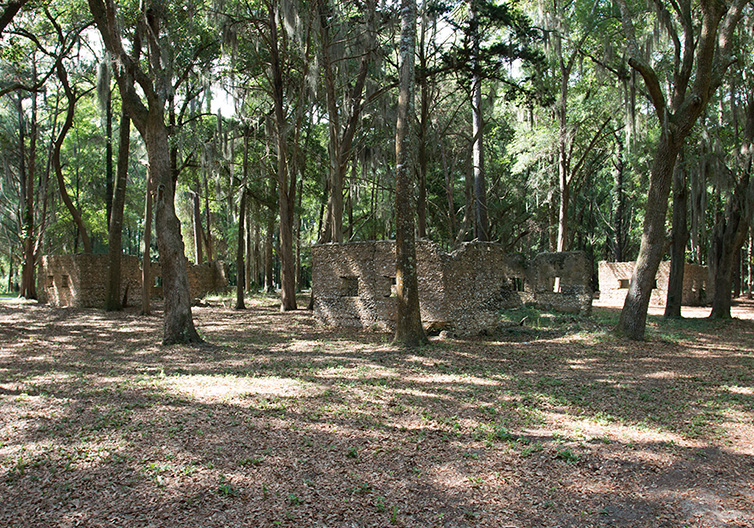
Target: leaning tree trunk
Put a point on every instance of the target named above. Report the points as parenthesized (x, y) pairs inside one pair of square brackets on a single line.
[(178, 325), (700, 64), (633, 317), (408, 328), (147, 110)]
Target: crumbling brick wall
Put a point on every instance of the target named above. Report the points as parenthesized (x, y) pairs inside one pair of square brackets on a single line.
[(81, 280), (615, 278), (463, 290)]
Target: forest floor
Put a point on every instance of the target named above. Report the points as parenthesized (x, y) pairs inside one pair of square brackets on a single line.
[(278, 422)]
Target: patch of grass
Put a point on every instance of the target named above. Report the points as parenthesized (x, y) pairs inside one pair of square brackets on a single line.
[(253, 461), (293, 499), (567, 455), (530, 449)]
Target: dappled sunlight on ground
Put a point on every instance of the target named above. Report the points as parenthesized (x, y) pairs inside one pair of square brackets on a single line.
[(278, 422)]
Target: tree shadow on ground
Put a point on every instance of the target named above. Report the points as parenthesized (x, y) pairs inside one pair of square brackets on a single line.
[(305, 426)]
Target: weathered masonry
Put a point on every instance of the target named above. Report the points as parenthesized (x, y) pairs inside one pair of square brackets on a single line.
[(81, 280), (354, 284), (615, 278)]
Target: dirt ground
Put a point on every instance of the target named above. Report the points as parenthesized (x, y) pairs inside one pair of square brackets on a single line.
[(278, 422)]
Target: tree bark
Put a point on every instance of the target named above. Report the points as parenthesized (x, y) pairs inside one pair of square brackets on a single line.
[(67, 124), (196, 217), (678, 246), (115, 231), (269, 242), (731, 230), (618, 201), (209, 219), (146, 259), (240, 268), (240, 271), (149, 119), (341, 137), (704, 56), (633, 317), (408, 329), (109, 176), (286, 179), (28, 270), (178, 324), (10, 10)]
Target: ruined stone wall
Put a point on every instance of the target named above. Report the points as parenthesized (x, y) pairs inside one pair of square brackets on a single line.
[(465, 290), (353, 284), (615, 278), (698, 289), (562, 282), (211, 277), (81, 280), (479, 280)]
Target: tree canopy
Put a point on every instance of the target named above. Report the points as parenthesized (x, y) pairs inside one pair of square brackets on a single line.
[(262, 127)]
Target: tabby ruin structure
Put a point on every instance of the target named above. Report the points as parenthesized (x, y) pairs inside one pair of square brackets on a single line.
[(353, 284), (81, 280), (615, 278)]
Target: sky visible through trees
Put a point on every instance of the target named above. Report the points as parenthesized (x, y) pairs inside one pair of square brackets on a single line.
[(266, 126)]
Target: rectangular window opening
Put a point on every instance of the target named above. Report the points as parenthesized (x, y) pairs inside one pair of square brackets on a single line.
[(349, 286), (64, 281), (623, 284), (50, 281), (390, 290), (556, 285), (518, 284)]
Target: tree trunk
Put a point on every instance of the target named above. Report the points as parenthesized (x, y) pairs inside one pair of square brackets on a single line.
[(286, 180), (699, 68), (269, 242), (115, 231), (178, 324), (422, 160), (341, 137), (633, 318), (109, 177), (240, 267), (209, 218), (678, 247), (408, 329), (198, 233), (750, 264), (149, 119), (727, 239), (67, 124), (481, 226), (240, 275), (299, 194), (146, 260), (618, 201), (249, 251)]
